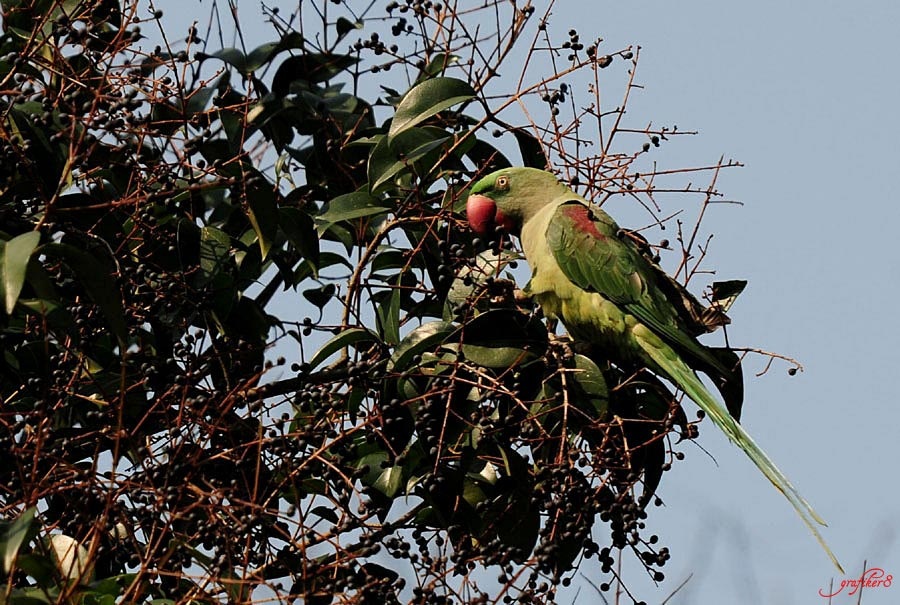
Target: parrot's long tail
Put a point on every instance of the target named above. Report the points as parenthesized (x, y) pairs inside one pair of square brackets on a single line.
[(686, 379)]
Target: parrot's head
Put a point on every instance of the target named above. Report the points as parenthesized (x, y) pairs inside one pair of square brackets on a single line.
[(509, 197)]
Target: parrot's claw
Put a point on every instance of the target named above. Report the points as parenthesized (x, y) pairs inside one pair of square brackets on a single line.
[(567, 348), (502, 292)]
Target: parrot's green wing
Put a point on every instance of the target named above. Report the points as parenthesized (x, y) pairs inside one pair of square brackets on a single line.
[(596, 256)]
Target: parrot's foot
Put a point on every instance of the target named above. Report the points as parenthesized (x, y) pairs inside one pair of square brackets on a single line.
[(504, 293), (501, 292), (566, 348)]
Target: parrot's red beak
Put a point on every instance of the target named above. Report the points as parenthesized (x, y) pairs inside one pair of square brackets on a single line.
[(481, 212), (483, 215)]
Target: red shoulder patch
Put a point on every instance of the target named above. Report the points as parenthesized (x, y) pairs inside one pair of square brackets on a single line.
[(583, 218)]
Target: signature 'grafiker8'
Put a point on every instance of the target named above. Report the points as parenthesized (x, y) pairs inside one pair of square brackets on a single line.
[(870, 578)]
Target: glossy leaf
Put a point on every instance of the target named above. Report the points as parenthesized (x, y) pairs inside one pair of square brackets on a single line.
[(346, 338), (259, 56), (344, 26), (15, 535), (437, 66), (264, 53), (199, 100), (300, 230), (531, 149), (232, 56), (501, 338), (309, 68), (263, 215), (590, 378), (389, 481), (215, 249), (428, 98), (14, 257), (487, 157), (424, 338), (391, 156), (349, 206), (326, 513), (389, 259), (320, 296), (389, 317)]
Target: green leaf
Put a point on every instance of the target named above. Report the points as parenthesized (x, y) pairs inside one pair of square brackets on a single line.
[(199, 99), (263, 215), (354, 401), (724, 293), (264, 53), (300, 229), (389, 317), (393, 97), (14, 256), (426, 99), (326, 259), (34, 596), (50, 157), (320, 296), (501, 339), (325, 513), (35, 16), (215, 250), (519, 525), (437, 66), (491, 356), (388, 259), (472, 492), (14, 537), (531, 149), (259, 56), (95, 279), (309, 68), (392, 156), (590, 378), (389, 481), (373, 461), (232, 56), (112, 586), (349, 206), (485, 156), (423, 338), (344, 26), (350, 336), (39, 567)]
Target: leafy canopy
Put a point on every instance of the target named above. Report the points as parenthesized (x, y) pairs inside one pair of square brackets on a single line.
[(250, 349)]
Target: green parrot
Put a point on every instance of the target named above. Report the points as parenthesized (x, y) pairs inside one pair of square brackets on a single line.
[(598, 281)]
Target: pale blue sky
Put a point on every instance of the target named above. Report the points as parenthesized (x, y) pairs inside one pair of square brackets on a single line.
[(805, 94)]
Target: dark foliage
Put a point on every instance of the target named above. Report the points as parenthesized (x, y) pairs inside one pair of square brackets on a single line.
[(170, 216)]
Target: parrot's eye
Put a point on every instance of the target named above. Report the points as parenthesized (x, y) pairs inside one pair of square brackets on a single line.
[(502, 182)]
